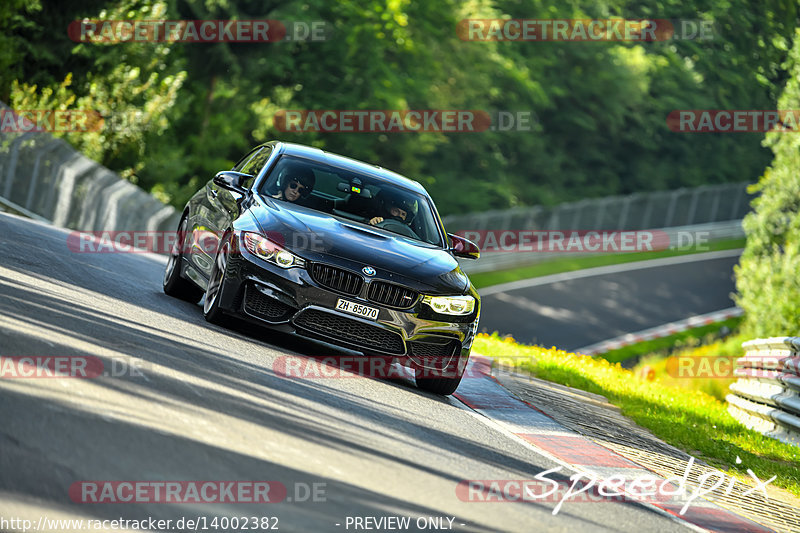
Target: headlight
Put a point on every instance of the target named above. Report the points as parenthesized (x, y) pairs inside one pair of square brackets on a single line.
[(269, 251), (450, 305)]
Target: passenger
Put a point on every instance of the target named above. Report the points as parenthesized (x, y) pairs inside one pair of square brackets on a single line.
[(298, 184)]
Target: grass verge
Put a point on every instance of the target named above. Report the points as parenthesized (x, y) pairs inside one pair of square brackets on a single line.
[(713, 377), (486, 279), (687, 419), (663, 346)]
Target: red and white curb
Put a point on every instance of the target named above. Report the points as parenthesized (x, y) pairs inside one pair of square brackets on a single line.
[(487, 397), (660, 331)]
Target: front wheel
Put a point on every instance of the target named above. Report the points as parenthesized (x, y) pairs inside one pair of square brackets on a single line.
[(440, 381), (174, 285), (443, 386), (211, 309)]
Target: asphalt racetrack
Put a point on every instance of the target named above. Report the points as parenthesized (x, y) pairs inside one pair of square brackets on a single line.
[(181, 400), (576, 309)]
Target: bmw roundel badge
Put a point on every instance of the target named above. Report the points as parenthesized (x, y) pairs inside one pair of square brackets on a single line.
[(369, 271)]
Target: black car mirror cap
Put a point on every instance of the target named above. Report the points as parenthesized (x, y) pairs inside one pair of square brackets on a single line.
[(462, 247), (232, 180)]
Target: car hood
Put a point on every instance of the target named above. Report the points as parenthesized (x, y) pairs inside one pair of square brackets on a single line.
[(317, 236)]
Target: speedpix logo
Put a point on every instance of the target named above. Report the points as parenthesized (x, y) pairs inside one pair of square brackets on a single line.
[(588, 487)]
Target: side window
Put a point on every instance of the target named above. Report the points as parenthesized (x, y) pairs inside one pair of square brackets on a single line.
[(243, 161), (255, 165)]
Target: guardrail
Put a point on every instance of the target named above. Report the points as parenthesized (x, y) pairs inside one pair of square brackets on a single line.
[(766, 397), (646, 210), (661, 331), (715, 209), (45, 178)]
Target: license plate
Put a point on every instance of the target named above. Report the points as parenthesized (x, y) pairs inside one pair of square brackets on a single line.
[(357, 309)]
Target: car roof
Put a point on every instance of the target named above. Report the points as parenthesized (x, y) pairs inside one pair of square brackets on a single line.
[(336, 160)]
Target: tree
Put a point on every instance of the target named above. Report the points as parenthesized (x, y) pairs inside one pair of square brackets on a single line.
[(133, 86), (14, 17), (598, 109), (767, 276)]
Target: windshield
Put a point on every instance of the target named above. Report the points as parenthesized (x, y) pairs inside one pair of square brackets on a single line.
[(354, 196)]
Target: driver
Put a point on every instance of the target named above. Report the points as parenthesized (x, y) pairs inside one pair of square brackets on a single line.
[(296, 183), (395, 207)]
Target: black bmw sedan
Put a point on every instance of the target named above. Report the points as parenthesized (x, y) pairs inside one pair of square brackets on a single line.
[(302, 240)]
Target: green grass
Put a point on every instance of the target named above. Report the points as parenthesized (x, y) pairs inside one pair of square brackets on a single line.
[(725, 350), (487, 279), (687, 419), (663, 346)]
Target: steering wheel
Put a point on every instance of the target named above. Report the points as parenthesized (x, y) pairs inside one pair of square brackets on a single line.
[(398, 227)]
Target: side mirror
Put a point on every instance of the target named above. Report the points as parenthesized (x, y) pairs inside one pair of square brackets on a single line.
[(228, 179), (462, 247)]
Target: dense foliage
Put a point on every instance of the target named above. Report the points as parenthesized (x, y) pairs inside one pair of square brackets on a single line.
[(599, 108), (767, 278)]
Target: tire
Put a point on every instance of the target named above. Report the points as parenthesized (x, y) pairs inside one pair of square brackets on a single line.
[(446, 384), (443, 386), (211, 309), (443, 381), (174, 285)]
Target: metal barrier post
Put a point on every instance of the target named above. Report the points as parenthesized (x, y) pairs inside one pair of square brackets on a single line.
[(12, 165), (35, 174)]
